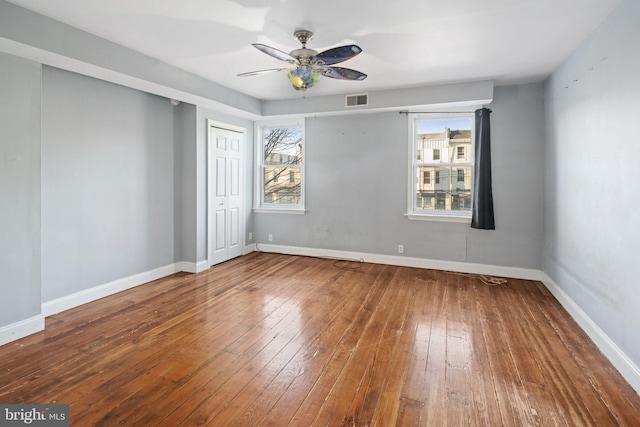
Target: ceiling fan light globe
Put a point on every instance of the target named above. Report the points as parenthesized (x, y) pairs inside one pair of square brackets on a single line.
[(303, 78)]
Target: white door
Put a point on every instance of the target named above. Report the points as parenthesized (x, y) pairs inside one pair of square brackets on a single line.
[(226, 218)]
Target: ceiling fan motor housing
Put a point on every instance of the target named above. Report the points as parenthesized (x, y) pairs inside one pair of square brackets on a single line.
[(303, 36), (304, 55)]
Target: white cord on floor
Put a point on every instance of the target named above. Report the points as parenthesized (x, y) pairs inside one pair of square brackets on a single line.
[(487, 280)]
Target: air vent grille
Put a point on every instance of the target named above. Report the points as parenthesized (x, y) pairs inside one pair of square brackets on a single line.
[(357, 100)]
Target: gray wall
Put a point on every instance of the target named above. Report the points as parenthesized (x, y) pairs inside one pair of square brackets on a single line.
[(592, 202), (517, 152), (19, 189), (185, 232), (356, 189), (107, 182)]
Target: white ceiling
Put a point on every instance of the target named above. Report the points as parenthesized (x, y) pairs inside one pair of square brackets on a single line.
[(406, 43)]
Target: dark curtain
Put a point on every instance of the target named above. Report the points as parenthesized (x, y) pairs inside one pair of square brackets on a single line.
[(482, 209)]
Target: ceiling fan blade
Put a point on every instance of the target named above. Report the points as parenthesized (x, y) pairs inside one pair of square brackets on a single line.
[(283, 56), (255, 73), (336, 55), (342, 73)]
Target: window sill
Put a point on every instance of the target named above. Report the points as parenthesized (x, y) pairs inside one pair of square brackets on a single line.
[(297, 211), (441, 218)]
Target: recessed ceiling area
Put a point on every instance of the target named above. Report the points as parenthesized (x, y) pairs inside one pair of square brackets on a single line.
[(405, 43)]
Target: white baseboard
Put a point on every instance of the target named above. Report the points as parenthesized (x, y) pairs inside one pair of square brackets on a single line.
[(460, 267), (202, 266), (192, 267), (629, 370), (21, 329), (73, 300), (70, 301)]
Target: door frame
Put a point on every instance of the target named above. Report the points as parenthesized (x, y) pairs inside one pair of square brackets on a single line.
[(211, 181)]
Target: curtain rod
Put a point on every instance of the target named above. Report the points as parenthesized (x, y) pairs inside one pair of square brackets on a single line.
[(438, 112)]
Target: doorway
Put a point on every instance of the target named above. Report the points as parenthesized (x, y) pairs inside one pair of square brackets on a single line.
[(226, 219)]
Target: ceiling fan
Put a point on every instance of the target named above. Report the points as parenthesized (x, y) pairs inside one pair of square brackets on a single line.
[(308, 64)]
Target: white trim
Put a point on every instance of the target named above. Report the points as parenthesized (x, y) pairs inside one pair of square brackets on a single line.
[(443, 218), (226, 126), (192, 267), (297, 211), (21, 329), (249, 248), (460, 267), (629, 370), (435, 215), (202, 266), (88, 295), (35, 324)]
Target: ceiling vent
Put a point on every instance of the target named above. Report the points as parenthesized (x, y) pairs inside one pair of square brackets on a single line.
[(357, 100)]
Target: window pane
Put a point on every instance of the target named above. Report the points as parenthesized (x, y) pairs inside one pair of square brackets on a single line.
[(443, 167), (450, 190), (279, 173), (283, 146), (282, 185)]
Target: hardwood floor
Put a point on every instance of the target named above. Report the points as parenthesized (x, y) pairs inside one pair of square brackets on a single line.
[(278, 340)]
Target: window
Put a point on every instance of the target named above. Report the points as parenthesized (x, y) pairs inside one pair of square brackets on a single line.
[(279, 167), (445, 194), (426, 177)]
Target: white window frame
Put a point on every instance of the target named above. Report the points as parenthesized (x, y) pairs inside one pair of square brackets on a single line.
[(435, 214), (259, 205)]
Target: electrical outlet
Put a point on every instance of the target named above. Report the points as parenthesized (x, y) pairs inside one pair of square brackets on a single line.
[(271, 237), (250, 235), (400, 249)]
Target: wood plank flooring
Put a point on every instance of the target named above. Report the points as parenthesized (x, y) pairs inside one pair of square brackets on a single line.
[(276, 340)]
